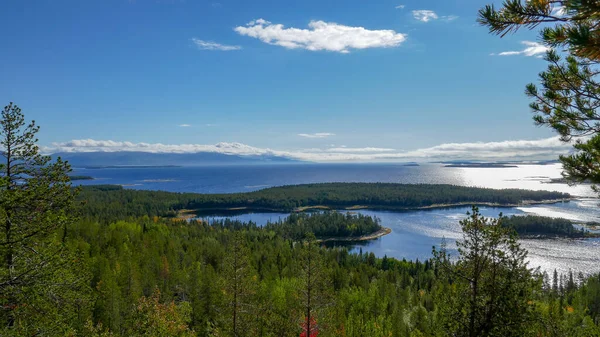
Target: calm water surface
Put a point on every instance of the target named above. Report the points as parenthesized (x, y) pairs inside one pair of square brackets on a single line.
[(230, 179), (413, 233)]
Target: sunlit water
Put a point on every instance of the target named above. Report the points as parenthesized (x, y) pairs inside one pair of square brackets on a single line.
[(413, 233), (230, 179)]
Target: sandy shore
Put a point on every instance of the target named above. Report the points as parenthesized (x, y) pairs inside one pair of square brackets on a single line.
[(382, 232)]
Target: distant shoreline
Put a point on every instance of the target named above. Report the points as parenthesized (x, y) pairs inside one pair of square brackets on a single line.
[(79, 177), (191, 213), (483, 165), (367, 237), (127, 167)]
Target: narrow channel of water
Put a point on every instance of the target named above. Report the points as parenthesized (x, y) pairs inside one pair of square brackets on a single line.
[(414, 233)]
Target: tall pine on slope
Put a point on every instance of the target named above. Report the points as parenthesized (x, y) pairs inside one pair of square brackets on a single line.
[(39, 293), (239, 289), (491, 288), (569, 91), (315, 285)]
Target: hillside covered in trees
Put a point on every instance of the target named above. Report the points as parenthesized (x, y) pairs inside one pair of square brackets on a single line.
[(188, 272)]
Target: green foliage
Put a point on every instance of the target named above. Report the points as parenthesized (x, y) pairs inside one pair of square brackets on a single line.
[(42, 284), (155, 319), (490, 290), (324, 225), (193, 264), (110, 203), (154, 275), (570, 93), (541, 226), (239, 289), (314, 285), (575, 21)]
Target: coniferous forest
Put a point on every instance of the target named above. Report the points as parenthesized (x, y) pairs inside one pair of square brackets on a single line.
[(112, 262), (105, 261), (110, 201)]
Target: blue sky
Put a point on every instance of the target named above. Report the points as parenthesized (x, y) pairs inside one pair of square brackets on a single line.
[(418, 74)]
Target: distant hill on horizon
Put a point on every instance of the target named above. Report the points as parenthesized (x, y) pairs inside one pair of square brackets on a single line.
[(126, 158)]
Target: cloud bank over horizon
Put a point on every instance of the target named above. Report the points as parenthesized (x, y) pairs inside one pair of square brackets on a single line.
[(547, 148)]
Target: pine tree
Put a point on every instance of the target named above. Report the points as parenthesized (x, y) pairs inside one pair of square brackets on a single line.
[(315, 284), (40, 291), (491, 286), (239, 289), (570, 92)]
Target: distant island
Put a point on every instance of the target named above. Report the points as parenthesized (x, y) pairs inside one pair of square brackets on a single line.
[(147, 159), (482, 165), (299, 198), (563, 181), (128, 167), (73, 178), (329, 226), (504, 163), (541, 227)]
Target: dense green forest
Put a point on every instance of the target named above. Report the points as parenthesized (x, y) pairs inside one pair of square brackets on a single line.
[(110, 202), (114, 262), (191, 265), (541, 226), (324, 225)]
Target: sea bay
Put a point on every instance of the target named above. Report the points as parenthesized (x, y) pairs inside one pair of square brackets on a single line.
[(414, 232)]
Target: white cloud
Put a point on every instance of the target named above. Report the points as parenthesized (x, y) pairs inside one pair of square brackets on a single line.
[(532, 49), (424, 15), (559, 11), (91, 145), (210, 45), (316, 135), (343, 149), (449, 18), (185, 125), (548, 148), (321, 35), (400, 7)]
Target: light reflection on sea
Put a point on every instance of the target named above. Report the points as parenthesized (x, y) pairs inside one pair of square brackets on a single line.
[(414, 233)]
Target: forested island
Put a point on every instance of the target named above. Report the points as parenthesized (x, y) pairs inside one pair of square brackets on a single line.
[(103, 200), (327, 226), (76, 177), (112, 202), (533, 226)]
